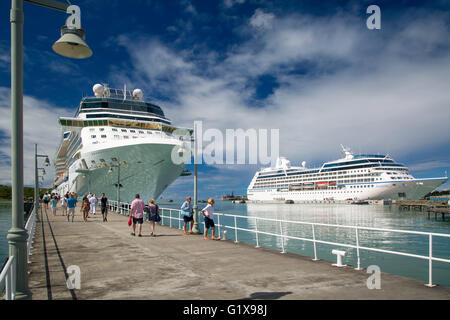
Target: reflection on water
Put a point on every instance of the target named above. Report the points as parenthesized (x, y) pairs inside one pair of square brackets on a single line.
[(377, 216)]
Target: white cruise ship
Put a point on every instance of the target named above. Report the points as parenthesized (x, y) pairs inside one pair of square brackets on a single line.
[(354, 177), (116, 140)]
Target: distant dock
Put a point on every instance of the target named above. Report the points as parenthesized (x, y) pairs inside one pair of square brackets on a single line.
[(437, 207), (115, 265)]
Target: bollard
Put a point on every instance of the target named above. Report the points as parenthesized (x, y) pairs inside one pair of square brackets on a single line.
[(339, 254)]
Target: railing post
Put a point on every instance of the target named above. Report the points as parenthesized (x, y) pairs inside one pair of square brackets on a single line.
[(314, 243), (170, 218), (179, 219), (282, 238), (218, 224), (256, 232), (357, 250), (235, 230), (430, 263), (13, 281)]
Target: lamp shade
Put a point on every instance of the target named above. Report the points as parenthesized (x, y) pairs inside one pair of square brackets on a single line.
[(72, 44)]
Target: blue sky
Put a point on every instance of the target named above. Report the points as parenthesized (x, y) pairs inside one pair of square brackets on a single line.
[(308, 68)]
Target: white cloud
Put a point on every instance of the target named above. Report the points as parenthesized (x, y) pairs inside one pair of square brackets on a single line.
[(261, 20), (230, 3), (39, 126)]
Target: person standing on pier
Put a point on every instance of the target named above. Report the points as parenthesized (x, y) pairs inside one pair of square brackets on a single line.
[(93, 204), (153, 215), (53, 203), (208, 213), (104, 204), (85, 208), (188, 215), (71, 203), (64, 204), (46, 199), (137, 211)]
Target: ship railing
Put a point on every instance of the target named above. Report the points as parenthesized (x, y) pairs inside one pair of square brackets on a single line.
[(176, 215), (7, 274)]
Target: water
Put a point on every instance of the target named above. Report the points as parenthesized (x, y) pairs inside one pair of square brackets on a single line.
[(5, 225), (377, 216)]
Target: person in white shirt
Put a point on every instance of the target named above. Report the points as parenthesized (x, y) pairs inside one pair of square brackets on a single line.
[(208, 213), (93, 204), (64, 204)]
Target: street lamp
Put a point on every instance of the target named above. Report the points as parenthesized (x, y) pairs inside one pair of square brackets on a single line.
[(195, 227), (36, 182), (118, 164), (17, 235)]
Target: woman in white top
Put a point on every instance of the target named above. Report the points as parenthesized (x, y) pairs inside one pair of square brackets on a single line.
[(208, 213)]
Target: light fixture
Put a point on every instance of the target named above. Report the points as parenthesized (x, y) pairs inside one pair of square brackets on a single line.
[(72, 44), (46, 162)]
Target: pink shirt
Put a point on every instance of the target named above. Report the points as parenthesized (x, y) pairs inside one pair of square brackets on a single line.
[(137, 208)]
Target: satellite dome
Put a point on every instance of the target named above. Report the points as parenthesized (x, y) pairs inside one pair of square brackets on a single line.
[(304, 164), (137, 94), (98, 90)]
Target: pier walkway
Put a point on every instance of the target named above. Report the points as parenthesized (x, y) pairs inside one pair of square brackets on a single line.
[(116, 265)]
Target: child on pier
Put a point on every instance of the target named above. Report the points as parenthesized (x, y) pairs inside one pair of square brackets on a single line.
[(208, 213)]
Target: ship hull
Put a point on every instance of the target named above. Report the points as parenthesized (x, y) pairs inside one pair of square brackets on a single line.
[(146, 169), (396, 190)]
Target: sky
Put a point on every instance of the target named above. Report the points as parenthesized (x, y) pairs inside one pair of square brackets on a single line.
[(311, 69)]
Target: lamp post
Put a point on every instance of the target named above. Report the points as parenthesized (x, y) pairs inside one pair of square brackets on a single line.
[(74, 47), (195, 227), (36, 182), (118, 164)]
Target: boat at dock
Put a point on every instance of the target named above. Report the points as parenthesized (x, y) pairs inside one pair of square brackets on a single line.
[(356, 177), (117, 140)]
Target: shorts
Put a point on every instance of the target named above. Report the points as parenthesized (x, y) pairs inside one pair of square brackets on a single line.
[(138, 220), (53, 208), (209, 223), (71, 211), (188, 218), (104, 210)]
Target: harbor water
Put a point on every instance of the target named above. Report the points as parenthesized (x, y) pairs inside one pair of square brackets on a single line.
[(5, 225), (377, 216)]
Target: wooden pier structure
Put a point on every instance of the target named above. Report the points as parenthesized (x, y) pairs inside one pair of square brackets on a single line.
[(430, 207)]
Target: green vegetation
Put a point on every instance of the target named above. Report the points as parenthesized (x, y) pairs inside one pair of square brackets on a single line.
[(436, 193), (5, 192)]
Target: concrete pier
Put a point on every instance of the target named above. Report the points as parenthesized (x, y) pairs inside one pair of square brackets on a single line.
[(116, 265)]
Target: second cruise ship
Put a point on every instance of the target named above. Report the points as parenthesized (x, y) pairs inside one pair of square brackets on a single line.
[(119, 145), (354, 177)]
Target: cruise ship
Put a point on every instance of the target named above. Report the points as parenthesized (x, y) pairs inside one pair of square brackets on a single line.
[(119, 145), (354, 177)]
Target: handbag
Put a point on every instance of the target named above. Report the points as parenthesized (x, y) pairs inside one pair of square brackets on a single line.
[(187, 213), (130, 220), (158, 217)]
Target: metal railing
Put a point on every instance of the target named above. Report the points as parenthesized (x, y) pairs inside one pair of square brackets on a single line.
[(7, 278), (167, 213)]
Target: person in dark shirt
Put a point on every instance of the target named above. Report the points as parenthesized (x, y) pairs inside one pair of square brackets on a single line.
[(104, 206)]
